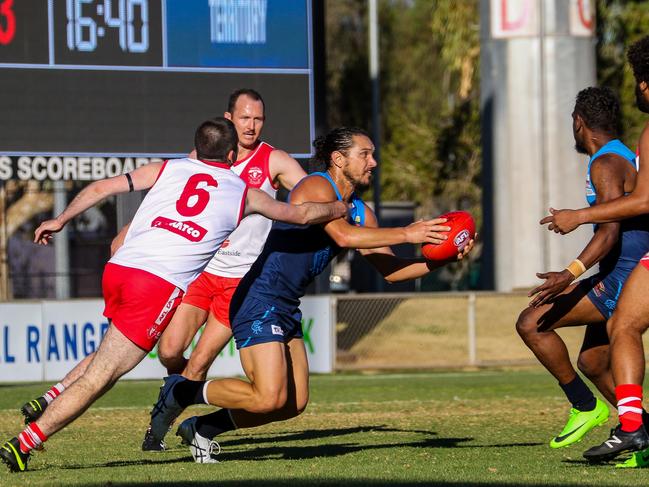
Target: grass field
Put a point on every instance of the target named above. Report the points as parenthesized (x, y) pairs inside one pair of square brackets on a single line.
[(485, 428)]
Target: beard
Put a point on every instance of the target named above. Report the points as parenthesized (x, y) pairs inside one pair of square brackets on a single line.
[(579, 147), (640, 100), (360, 185)]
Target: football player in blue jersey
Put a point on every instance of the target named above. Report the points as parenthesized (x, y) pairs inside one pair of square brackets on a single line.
[(265, 311), (631, 317), (616, 247)]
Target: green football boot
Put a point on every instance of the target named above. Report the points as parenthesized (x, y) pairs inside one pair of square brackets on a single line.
[(13, 457), (579, 423), (639, 459)]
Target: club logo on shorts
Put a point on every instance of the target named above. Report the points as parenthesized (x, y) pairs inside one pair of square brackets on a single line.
[(256, 327), (255, 176), (154, 331), (461, 239), (277, 330)]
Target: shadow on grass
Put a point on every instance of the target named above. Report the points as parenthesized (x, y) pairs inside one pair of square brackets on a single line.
[(255, 448)]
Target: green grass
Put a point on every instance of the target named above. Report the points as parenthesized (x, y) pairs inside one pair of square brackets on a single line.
[(474, 429)]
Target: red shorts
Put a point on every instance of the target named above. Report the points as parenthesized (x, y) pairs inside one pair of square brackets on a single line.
[(213, 293), (645, 260), (139, 303)]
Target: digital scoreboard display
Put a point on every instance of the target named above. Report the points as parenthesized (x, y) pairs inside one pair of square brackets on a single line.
[(136, 77)]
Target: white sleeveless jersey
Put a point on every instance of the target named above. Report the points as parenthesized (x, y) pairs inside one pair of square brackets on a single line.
[(188, 213), (242, 248)]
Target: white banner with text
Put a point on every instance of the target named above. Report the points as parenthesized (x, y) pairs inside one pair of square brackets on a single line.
[(43, 340)]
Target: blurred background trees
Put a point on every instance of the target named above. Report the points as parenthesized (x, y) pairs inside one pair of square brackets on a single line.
[(430, 55)]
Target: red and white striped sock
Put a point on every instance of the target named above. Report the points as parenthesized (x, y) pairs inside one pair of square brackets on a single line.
[(629, 406), (54, 392), (32, 437)]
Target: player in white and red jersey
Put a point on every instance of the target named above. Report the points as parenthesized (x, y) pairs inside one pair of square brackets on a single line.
[(208, 298), (194, 204), (261, 166)]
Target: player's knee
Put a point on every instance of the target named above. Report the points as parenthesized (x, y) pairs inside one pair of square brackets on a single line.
[(169, 353), (270, 401), (526, 325)]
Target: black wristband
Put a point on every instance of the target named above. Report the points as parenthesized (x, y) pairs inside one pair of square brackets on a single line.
[(130, 183)]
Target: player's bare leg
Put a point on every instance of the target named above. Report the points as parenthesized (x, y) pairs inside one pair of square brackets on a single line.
[(180, 332), (214, 338), (265, 365), (297, 392), (178, 335), (116, 356), (536, 327), (32, 410), (198, 432), (625, 328)]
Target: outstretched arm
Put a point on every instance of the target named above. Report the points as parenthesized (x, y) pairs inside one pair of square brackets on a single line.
[(301, 214), (397, 269), (607, 175), (142, 178), (316, 188), (637, 203)]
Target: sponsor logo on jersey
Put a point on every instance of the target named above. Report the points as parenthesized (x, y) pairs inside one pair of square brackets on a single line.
[(187, 229), (255, 176), (461, 239), (225, 243), (277, 330), (229, 253)]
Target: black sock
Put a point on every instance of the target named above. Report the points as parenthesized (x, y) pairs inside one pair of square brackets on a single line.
[(189, 392), (215, 423), (579, 395)]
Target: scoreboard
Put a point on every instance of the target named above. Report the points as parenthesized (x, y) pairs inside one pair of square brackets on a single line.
[(136, 77)]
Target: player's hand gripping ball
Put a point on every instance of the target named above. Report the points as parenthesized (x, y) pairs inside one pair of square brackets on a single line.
[(462, 231)]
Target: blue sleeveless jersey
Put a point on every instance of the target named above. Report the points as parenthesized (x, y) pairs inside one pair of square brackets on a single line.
[(292, 257), (634, 232)]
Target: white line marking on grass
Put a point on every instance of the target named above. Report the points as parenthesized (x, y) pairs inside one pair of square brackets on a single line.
[(450, 375)]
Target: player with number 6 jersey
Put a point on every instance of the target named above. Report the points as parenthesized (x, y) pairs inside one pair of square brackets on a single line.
[(193, 206)]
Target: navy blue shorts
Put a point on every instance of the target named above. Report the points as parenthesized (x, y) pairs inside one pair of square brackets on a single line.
[(257, 321), (605, 289)]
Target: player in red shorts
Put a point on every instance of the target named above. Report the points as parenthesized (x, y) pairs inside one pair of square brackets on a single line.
[(631, 317), (191, 208), (208, 298)]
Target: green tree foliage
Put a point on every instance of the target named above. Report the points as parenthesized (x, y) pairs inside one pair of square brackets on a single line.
[(620, 23)]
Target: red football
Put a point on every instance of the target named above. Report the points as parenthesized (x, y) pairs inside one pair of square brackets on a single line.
[(462, 230)]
